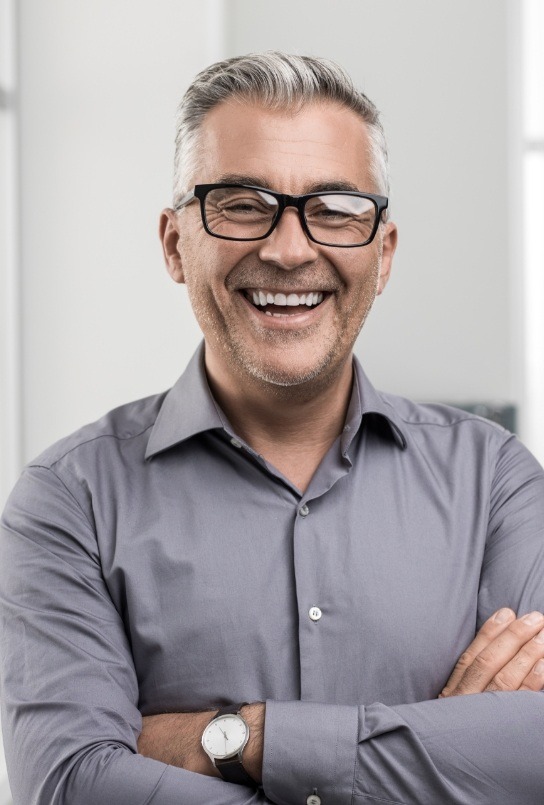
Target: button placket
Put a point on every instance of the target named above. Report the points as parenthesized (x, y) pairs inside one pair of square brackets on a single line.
[(308, 535)]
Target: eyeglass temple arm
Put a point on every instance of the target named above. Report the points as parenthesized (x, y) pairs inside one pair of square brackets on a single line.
[(187, 198)]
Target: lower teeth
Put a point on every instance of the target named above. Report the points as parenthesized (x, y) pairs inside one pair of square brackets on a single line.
[(277, 315)]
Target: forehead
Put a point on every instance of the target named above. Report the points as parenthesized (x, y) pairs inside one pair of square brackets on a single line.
[(287, 151)]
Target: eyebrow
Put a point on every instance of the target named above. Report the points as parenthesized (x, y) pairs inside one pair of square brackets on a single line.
[(260, 181)]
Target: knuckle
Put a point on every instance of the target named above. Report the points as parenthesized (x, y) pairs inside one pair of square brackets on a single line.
[(502, 682), (525, 657), (489, 628), (482, 663), (464, 661), (471, 680)]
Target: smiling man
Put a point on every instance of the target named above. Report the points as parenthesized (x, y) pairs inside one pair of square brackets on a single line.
[(283, 286), (257, 587)]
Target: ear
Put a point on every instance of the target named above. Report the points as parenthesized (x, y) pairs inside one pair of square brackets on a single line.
[(389, 244), (169, 235)]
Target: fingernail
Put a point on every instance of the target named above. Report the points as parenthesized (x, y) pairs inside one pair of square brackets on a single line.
[(532, 618), (539, 668), (503, 615), (539, 638)]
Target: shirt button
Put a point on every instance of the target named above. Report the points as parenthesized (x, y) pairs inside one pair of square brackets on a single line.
[(235, 443), (315, 613), (304, 511), (313, 799)]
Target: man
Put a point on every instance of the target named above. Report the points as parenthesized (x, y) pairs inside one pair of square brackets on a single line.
[(274, 531)]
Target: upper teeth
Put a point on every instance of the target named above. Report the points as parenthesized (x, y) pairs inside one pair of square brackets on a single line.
[(267, 298)]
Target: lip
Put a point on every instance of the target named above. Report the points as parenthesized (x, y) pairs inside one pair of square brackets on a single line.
[(286, 291), (293, 321)]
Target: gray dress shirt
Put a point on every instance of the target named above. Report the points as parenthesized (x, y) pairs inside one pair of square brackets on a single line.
[(153, 562)]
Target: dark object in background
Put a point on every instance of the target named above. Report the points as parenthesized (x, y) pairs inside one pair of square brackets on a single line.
[(504, 415)]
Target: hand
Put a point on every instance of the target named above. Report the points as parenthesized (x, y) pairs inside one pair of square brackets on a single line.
[(506, 654)]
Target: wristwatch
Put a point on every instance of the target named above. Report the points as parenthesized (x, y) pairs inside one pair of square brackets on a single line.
[(224, 740)]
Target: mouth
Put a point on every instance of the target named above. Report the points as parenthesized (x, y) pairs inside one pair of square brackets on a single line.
[(278, 304)]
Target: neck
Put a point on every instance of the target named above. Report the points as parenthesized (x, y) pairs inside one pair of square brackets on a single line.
[(291, 426)]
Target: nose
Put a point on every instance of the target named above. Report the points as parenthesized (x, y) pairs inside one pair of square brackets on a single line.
[(288, 246)]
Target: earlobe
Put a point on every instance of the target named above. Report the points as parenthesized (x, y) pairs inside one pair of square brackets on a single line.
[(169, 235), (389, 244)]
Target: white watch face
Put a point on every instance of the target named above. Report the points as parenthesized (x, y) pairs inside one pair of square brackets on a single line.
[(225, 736)]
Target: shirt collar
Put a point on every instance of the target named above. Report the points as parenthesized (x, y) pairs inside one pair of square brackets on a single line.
[(189, 408), (367, 403)]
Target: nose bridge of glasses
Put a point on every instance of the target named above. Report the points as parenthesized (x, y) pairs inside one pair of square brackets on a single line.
[(285, 201)]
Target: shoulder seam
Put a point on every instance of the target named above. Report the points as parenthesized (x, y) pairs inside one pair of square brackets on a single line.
[(467, 417), (492, 425), (89, 441), (59, 479)]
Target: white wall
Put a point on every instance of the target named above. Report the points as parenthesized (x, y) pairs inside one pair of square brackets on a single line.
[(101, 322)]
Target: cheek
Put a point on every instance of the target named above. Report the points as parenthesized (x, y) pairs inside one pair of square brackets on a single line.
[(362, 291)]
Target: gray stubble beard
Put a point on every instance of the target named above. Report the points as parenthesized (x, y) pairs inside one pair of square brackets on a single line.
[(282, 385)]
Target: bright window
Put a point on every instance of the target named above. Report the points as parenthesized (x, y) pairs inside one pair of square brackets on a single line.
[(533, 202)]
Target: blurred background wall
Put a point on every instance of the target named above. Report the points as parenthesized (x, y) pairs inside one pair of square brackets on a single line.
[(90, 318)]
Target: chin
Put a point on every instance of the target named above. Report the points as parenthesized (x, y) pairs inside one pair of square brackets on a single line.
[(290, 376)]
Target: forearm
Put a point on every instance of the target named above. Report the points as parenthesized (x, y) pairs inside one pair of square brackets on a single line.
[(69, 687), (124, 778), (484, 748), (420, 752), (455, 751), (175, 738)]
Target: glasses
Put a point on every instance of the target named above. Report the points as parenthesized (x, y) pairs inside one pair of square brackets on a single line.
[(330, 218)]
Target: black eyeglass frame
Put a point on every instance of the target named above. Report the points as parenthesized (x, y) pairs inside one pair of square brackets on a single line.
[(285, 200)]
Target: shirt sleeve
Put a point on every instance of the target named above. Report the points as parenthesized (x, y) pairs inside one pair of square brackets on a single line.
[(68, 684), (484, 748)]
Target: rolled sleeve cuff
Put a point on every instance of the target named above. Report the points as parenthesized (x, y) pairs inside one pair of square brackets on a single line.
[(309, 749)]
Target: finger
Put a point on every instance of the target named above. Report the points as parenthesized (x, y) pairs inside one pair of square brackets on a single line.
[(513, 675), (498, 653), (491, 629), (535, 678)]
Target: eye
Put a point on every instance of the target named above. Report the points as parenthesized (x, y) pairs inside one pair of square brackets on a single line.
[(328, 212), (339, 210), (328, 215), (243, 206)]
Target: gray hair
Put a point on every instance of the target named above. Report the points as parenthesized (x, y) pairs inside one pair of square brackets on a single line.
[(278, 81)]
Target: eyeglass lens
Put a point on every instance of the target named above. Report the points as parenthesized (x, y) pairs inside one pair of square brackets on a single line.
[(333, 219)]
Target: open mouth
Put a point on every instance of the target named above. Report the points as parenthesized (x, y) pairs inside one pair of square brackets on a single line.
[(272, 303)]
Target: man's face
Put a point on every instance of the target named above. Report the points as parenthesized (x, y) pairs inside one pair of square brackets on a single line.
[(324, 146)]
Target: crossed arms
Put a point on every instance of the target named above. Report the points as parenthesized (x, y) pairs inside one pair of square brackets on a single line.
[(507, 654), (72, 720)]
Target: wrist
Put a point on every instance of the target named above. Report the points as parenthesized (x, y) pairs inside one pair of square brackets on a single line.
[(254, 715)]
